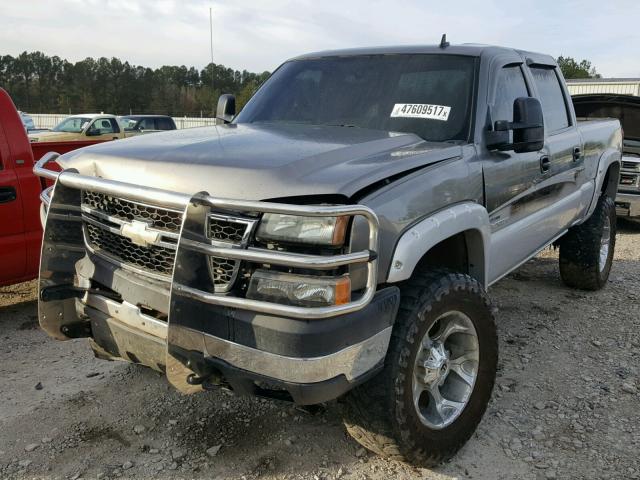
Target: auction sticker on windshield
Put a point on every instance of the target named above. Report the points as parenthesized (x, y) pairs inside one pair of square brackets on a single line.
[(421, 110)]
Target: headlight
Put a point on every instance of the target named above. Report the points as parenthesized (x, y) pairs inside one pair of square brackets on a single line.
[(301, 290), (329, 231)]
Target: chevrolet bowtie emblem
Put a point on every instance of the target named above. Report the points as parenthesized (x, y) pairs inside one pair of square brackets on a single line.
[(139, 233)]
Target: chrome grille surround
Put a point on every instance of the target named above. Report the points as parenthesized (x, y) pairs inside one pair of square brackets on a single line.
[(161, 218), (106, 219)]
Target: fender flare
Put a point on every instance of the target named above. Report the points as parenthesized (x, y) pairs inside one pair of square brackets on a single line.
[(608, 158), (469, 218)]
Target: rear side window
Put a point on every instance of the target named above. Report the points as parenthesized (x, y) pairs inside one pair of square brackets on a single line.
[(510, 85), (552, 99), (164, 124), (147, 124)]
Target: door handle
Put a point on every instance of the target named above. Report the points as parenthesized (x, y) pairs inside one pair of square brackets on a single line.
[(7, 194), (545, 163), (577, 153)]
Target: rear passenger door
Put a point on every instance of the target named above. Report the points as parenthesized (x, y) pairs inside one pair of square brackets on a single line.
[(510, 179), (12, 242), (562, 161)]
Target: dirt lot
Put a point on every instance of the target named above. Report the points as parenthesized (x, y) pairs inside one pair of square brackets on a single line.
[(566, 403)]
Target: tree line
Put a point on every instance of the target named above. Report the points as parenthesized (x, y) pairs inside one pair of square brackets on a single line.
[(39, 83), (42, 84)]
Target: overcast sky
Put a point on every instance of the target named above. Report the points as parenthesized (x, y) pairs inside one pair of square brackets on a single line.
[(258, 35)]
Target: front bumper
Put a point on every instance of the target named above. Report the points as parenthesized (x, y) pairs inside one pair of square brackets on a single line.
[(628, 204), (307, 362), (180, 324)]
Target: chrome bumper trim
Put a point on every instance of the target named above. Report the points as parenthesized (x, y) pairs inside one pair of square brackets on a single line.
[(351, 362)]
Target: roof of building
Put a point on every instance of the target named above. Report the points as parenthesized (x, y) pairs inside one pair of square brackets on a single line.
[(603, 80)]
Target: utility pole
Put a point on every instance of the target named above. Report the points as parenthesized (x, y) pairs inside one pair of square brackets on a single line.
[(211, 38)]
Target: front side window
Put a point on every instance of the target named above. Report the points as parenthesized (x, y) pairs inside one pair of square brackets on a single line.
[(553, 105), (72, 125), (428, 95), (510, 85), (103, 125)]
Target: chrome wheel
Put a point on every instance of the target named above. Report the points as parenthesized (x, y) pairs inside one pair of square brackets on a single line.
[(445, 370), (605, 242)]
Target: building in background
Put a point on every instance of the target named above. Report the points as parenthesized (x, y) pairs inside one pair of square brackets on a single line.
[(621, 86)]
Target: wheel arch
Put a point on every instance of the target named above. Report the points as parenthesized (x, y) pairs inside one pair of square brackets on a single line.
[(457, 237), (607, 177)]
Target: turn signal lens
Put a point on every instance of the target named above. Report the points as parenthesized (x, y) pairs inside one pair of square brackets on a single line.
[(301, 290)]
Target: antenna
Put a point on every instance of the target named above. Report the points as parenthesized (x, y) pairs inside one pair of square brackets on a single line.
[(443, 41)]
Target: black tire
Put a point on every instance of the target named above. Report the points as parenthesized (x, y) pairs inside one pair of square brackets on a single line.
[(380, 414), (580, 248)]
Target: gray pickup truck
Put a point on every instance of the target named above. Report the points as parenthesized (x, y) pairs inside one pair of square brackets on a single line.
[(336, 237)]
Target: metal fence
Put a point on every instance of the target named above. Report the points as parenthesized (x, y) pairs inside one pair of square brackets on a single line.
[(50, 120)]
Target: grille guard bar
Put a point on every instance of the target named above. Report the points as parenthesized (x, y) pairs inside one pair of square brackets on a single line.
[(194, 241)]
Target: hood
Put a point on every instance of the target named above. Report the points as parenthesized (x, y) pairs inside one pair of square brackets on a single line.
[(259, 161), (54, 136)]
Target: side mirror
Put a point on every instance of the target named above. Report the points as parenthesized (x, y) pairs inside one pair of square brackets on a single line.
[(92, 132), (226, 108), (527, 128)]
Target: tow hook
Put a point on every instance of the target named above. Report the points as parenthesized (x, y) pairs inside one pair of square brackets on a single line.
[(193, 379), (77, 329)]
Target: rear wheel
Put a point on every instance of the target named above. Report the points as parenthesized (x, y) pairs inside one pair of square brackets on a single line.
[(438, 376), (586, 251)]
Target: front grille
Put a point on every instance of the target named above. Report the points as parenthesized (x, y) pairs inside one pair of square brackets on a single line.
[(232, 231), (628, 180), (105, 214), (635, 166), (160, 218), (225, 230), (154, 259)]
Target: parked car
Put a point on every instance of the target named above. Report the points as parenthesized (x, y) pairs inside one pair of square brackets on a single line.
[(20, 223), (625, 108), (91, 126), (137, 124), (359, 207), (27, 121)]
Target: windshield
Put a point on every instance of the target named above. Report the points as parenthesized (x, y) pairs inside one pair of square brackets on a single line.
[(429, 95), (71, 125)]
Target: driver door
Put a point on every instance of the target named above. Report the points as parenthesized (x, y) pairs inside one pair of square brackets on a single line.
[(104, 129)]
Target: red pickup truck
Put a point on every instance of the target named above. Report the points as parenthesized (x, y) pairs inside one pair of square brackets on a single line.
[(20, 229)]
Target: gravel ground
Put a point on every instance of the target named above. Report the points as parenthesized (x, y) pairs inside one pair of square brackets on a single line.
[(566, 404)]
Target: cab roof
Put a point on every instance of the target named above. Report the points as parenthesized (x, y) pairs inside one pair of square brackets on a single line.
[(467, 49), (92, 115)]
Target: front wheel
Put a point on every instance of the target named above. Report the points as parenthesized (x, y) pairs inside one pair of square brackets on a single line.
[(586, 251), (438, 375)]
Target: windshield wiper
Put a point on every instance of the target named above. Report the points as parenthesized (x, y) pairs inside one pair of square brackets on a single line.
[(348, 125)]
